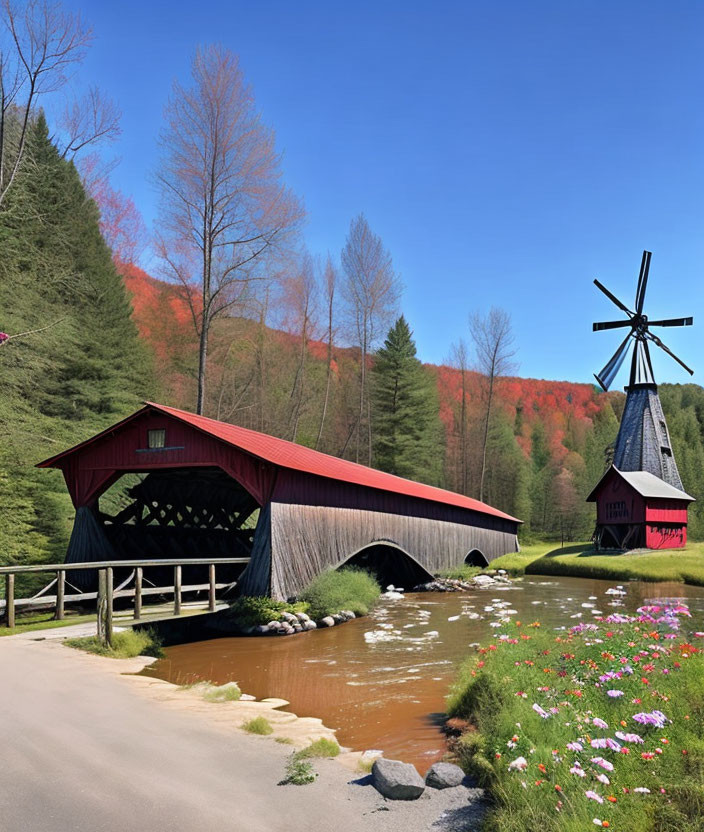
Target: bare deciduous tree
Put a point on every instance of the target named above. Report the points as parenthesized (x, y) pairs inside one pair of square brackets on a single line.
[(371, 291), (493, 343), (223, 205), (329, 287), (87, 121), (459, 359), (300, 297), (41, 47)]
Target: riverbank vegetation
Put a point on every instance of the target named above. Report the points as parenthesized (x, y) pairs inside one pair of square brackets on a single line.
[(600, 724), (340, 589), (328, 594), (125, 645), (582, 561), (258, 725)]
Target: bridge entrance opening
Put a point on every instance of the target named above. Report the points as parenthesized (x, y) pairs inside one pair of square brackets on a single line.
[(390, 565)]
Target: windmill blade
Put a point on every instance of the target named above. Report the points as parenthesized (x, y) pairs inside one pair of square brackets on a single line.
[(656, 340), (672, 322), (599, 325), (642, 281), (613, 298), (608, 374)]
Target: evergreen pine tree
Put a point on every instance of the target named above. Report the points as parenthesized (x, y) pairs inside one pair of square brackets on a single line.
[(84, 369), (407, 429)]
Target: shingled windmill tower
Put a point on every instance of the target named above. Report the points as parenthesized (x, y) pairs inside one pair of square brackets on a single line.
[(640, 500)]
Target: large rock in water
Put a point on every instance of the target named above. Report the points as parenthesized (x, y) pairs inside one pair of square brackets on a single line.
[(444, 776), (397, 780)]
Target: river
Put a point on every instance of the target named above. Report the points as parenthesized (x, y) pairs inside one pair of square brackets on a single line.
[(380, 681)]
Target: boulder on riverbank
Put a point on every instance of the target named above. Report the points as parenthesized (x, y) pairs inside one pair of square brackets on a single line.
[(397, 780), (444, 776)]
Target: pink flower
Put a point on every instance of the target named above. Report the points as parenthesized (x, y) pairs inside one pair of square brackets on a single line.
[(540, 711), (605, 764), (599, 723), (594, 796)]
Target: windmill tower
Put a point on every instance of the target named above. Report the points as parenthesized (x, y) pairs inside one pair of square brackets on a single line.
[(643, 443)]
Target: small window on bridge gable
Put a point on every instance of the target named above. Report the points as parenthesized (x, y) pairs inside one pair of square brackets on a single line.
[(156, 439)]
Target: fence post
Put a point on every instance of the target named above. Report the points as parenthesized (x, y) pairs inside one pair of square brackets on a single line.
[(10, 600), (177, 590), (108, 605), (211, 587), (100, 606), (138, 577), (60, 594)]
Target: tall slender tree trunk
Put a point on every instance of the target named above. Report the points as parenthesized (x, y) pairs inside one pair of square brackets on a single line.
[(202, 359), (328, 377), (486, 435), (362, 388), (298, 389), (463, 434)]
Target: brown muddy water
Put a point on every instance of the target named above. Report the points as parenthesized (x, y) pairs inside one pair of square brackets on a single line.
[(381, 681)]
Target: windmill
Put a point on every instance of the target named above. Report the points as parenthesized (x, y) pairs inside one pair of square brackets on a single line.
[(643, 443), (640, 334)]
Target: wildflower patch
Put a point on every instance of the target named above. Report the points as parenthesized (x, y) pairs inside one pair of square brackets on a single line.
[(605, 716)]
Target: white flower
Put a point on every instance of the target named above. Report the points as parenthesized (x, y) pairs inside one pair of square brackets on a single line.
[(519, 764)]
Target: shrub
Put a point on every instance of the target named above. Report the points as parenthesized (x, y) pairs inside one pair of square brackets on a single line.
[(342, 589), (299, 772), (125, 645), (258, 725)]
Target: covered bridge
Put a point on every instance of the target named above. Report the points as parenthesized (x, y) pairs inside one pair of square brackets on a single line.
[(211, 489)]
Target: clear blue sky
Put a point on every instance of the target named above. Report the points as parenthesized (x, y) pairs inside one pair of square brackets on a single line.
[(506, 152)]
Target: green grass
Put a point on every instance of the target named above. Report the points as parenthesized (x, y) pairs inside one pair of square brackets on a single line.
[(322, 747), (460, 573), (515, 563), (125, 645), (283, 740), (341, 589), (366, 766), (43, 621), (228, 692), (581, 561), (502, 689), (258, 725)]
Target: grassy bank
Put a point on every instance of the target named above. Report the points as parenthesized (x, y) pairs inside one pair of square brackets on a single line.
[(600, 725), (581, 561), (125, 645)]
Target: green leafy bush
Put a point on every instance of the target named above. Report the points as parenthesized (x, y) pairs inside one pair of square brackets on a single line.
[(342, 589), (299, 772)]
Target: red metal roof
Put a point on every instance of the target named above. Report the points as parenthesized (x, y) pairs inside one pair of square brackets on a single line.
[(299, 458)]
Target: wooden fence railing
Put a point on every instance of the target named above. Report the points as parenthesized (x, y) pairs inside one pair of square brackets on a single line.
[(106, 591)]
